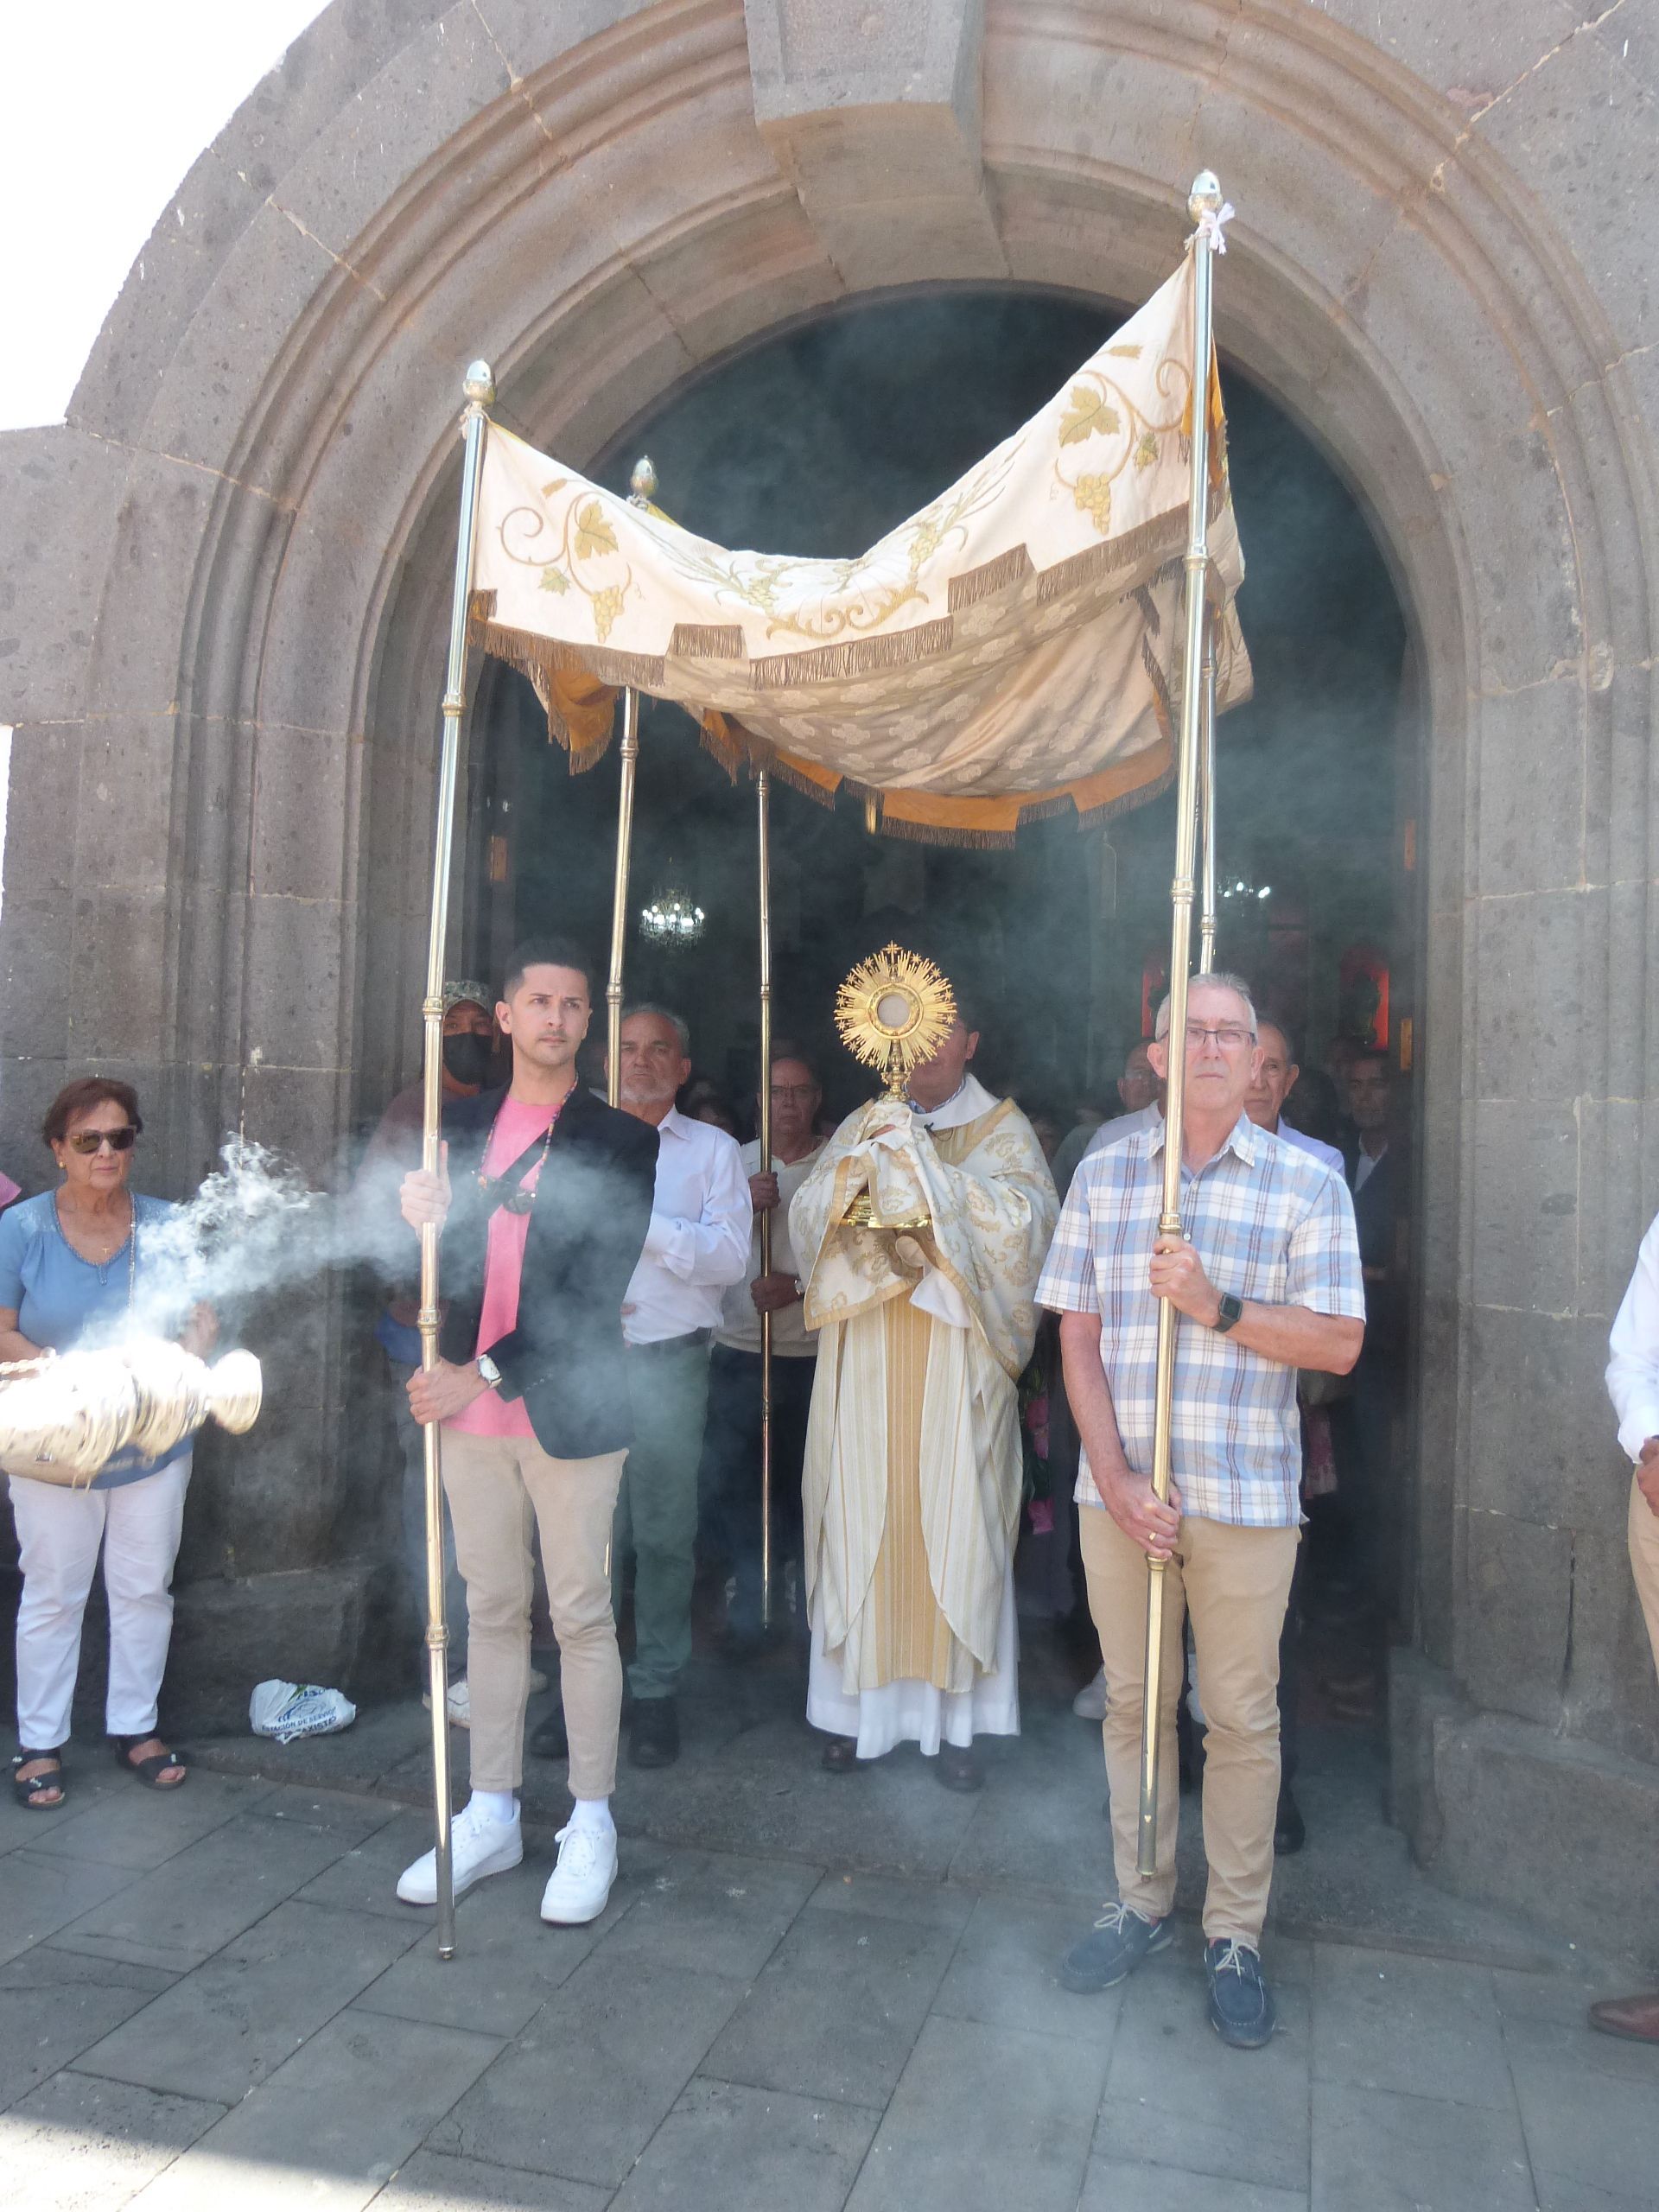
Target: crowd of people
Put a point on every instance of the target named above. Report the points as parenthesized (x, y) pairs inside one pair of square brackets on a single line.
[(912, 1249), (955, 1288)]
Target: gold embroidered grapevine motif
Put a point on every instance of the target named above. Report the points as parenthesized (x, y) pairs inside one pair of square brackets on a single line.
[(851, 597), (1098, 406), (587, 535)]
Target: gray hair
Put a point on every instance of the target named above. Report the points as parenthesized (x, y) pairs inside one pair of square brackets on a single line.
[(676, 1021), (1220, 979)]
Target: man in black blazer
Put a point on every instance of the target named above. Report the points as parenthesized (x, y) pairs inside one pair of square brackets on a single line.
[(545, 1201)]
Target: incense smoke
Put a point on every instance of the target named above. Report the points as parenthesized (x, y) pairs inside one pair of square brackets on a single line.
[(255, 1228)]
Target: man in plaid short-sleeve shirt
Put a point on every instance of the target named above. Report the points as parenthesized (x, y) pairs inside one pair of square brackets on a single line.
[(1266, 1277)]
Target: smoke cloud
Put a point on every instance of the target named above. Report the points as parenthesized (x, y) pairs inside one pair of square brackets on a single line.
[(256, 1227)]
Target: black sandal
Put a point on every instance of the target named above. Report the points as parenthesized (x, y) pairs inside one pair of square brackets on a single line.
[(150, 1770), (28, 1794), (841, 1754)]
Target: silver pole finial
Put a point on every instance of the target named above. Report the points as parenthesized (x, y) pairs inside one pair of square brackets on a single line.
[(642, 484), (479, 383), (1206, 195)]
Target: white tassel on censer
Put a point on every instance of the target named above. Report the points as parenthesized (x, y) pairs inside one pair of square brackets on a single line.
[(64, 1416)]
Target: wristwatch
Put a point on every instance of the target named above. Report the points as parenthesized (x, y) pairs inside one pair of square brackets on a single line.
[(1233, 1309), (489, 1370)]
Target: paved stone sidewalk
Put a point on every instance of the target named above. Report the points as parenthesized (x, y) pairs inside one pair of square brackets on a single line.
[(214, 2001)]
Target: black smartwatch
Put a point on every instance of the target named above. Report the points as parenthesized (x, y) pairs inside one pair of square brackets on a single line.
[(1231, 1310)]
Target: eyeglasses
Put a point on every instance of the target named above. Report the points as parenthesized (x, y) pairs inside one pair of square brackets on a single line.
[(1229, 1038), (87, 1141), (802, 1090)]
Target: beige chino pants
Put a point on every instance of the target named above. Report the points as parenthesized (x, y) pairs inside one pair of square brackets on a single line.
[(501, 1489), (1236, 1583), (1645, 1560)]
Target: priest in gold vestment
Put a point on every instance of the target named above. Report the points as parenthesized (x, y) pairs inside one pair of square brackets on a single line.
[(913, 1467)]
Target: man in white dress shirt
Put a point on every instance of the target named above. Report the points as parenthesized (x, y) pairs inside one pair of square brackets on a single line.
[(1272, 1083), (697, 1244), (1633, 1386), (1275, 1080)]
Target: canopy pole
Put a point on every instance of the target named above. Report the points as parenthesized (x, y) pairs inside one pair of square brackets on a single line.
[(1207, 805), (479, 388), (763, 796), (1203, 200), (642, 484)]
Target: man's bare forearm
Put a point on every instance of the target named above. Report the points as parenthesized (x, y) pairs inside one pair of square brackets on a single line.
[(1328, 1342), (1089, 1394)]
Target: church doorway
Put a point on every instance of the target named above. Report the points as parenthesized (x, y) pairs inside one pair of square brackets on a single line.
[(816, 439)]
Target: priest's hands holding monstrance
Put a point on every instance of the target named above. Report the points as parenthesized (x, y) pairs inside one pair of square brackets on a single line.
[(893, 1197)]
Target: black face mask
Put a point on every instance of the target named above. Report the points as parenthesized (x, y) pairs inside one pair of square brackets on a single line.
[(468, 1057)]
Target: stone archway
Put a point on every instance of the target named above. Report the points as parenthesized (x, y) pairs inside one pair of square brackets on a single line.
[(248, 529)]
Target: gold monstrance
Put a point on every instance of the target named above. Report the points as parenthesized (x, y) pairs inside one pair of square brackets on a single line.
[(893, 1012)]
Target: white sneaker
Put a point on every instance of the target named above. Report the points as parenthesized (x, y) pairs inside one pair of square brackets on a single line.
[(579, 1885), (1090, 1703), (478, 1847), (460, 1702)]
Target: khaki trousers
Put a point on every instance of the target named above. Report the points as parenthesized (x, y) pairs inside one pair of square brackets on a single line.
[(1645, 1560), (1236, 1583), (497, 1486)]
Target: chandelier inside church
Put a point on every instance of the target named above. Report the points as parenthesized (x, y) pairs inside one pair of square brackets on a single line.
[(670, 916)]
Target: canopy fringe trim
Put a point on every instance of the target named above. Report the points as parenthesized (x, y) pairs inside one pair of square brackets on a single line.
[(855, 656), (1013, 567)]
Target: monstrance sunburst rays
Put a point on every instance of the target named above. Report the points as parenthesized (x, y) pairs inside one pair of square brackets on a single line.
[(894, 1010)]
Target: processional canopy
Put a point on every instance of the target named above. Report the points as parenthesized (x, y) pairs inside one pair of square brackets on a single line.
[(1011, 651)]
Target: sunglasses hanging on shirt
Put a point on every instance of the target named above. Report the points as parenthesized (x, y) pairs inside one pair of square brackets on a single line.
[(523, 1198)]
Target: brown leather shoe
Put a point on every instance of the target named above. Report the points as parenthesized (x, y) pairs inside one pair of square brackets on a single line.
[(957, 1769), (654, 1732), (1636, 2018)]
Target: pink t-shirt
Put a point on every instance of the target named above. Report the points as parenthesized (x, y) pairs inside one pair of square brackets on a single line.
[(517, 1126)]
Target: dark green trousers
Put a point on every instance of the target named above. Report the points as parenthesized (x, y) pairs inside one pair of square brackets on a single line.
[(657, 1509)]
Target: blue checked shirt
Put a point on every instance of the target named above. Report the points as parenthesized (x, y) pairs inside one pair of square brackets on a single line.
[(1268, 1222)]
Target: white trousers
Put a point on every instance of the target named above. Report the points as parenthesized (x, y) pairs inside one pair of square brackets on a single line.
[(59, 1532)]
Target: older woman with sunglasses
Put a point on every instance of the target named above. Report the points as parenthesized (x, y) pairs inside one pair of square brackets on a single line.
[(71, 1260)]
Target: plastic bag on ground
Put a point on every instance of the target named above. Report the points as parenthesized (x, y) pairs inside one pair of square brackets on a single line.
[(284, 1711)]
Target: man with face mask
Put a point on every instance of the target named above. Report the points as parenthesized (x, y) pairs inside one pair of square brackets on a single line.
[(469, 1051), (914, 1471)]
